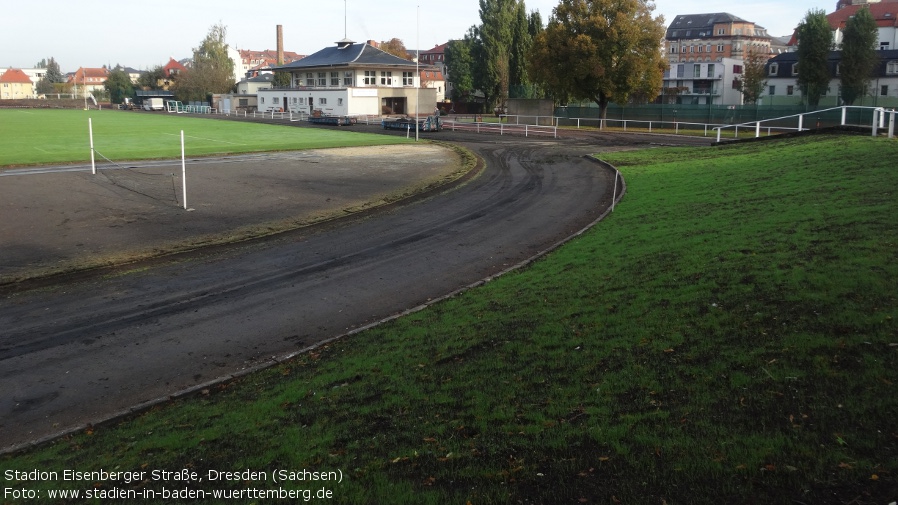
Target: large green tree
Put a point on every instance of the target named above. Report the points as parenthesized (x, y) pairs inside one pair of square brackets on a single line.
[(118, 85), (151, 78), (815, 41), (212, 70), (494, 49), (600, 50), (859, 57), (53, 75), (460, 62)]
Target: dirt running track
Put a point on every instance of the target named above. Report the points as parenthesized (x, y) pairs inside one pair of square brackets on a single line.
[(81, 349)]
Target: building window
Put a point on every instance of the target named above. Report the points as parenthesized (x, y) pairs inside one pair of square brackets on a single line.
[(790, 90), (340, 102), (302, 101), (681, 71), (892, 67), (711, 71), (370, 77), (347, 78), (884, 90), (322, 101), (322, 78), (701, 49), (696, 70), (310, 79), (277, 100), (884, 46), (774, 69), (673, 49), (721, 31), (335, 78), (719, 48), (795, 69), (708, 48), (737, 69), (386, 78), (407, 79), (772, 90)]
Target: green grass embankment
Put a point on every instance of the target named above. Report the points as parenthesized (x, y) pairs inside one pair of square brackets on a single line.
[(727, 335)]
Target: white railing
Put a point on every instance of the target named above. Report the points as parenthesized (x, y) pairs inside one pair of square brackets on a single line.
[(501, 128), (625, 124), (877, 121)]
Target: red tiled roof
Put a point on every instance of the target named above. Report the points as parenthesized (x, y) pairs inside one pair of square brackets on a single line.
[(440, 48), (14, 75), (885, 13)]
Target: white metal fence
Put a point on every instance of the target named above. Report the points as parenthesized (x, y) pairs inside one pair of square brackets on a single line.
[(877, 120), (547, 126)]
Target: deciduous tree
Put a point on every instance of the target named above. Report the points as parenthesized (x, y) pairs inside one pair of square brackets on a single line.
[(859, 58), (815, 41), (460, 62), (496, 39), (52, 76), (754, 77), (118, 85), (395, 47), (600, 50), (212, 70), (150, 79)]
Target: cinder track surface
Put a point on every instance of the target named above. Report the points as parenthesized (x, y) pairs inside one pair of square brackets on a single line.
[(74, 353)]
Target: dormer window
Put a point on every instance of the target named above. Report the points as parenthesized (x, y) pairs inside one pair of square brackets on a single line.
[(774, 69)]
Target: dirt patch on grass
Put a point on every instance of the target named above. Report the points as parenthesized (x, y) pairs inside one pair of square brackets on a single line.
[(63, 221)]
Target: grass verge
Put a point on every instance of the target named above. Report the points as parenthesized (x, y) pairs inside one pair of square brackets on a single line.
[(728, 335), (62, 136)]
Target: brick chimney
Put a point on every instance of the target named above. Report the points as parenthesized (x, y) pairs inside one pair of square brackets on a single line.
[(280, 44)]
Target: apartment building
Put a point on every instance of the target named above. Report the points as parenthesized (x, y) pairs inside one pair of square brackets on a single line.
[(703, 83), (713, 37)]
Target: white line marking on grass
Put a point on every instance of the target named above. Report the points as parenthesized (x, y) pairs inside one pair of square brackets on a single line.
[(42, 150), (203, 138)]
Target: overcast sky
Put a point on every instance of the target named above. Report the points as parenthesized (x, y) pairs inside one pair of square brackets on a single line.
[(93, 33)]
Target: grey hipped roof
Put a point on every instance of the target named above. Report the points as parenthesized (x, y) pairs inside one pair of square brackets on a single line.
[(786, 60), (346, 54), (696, 23)]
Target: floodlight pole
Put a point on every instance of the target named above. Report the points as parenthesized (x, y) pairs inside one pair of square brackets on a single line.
[(183, 171), (418, 72), (90, 130)]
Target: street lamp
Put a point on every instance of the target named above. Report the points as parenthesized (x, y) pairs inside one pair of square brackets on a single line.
[(417, 70)]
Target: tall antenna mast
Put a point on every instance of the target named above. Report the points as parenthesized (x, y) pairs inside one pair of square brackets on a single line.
[(345, 15)]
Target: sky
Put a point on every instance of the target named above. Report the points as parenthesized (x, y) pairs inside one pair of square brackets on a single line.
[(142, 35)]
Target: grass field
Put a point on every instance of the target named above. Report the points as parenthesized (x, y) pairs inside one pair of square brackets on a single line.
[(36, 136), (727, 335)]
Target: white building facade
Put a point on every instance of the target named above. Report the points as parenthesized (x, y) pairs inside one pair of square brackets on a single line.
[(351, 79), (703, 83)]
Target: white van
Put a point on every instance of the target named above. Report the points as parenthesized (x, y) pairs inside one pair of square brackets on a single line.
[(154, 104)]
